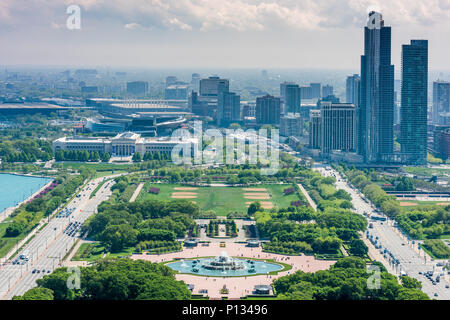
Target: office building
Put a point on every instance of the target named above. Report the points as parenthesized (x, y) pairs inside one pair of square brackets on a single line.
[(414, 101), (291, 125), (228, 108), (212, 86), (338, 127), (291, 98), (195, 82), (327, 91), (268, 110), (441, 142), (176, 92), (171, 80), (441, 100), (283, 87), (316, 90), (315, 129), (352, 89), (137, 88), (306, 92), (376, 110)]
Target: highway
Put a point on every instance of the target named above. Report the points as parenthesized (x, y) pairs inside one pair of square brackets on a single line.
[(49, 246), (411, 259)]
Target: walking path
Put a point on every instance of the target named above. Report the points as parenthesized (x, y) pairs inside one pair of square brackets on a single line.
[(136, 192), (310, 201)]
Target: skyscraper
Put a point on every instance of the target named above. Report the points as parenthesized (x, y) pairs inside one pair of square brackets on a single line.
[(441, 100), (268, 110), (327, 91), (414, 109), (316, 89), (376, 110), (338, 127), (228, 108), (292, 100), (315, 129), (352, 89)]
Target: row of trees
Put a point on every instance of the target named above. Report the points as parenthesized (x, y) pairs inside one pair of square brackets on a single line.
[(151, 155), (25, 150), (118, 226), (28, 215), (427, 221), (81, 155), (295, 230), (122, 279), (347, 279)]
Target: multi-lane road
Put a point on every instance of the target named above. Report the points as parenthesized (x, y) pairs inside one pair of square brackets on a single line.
[(411, 260), (47, 249)]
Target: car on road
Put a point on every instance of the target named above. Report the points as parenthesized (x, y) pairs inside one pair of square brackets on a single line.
[(435, 294)]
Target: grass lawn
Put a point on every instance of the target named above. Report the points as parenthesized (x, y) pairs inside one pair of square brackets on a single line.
[(94, 251), (420, 203), (7, 244), (222, 200), (99, 166)]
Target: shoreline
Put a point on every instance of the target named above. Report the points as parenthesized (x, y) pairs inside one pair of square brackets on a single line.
[(8, 211)]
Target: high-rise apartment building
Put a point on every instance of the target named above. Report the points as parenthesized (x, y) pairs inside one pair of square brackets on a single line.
[(376, 110), (414, 101)]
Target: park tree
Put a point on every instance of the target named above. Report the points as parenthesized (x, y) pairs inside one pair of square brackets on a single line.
[(358, 248), (36, 294), (254, 207)]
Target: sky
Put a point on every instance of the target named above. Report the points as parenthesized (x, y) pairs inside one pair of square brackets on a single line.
[(317, 34)]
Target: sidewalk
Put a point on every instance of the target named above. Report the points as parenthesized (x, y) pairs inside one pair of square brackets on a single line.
[(136, 192), (310, 201)]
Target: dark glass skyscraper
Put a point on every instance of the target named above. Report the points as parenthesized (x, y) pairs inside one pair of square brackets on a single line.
[(376, 110), (292, 100), (413, 125)]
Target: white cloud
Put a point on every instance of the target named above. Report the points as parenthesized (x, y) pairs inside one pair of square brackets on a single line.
[(239, 15), (132, 26)]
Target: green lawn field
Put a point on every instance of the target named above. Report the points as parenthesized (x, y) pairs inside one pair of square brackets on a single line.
[(222, 200)]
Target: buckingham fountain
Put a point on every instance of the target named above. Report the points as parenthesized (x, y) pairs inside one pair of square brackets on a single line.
[(224, 266)]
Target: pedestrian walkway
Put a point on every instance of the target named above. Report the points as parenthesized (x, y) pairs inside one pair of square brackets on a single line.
[(310, 201), (136, 192)]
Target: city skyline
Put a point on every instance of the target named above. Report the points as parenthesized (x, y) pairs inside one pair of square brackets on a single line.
[(279, 34)]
